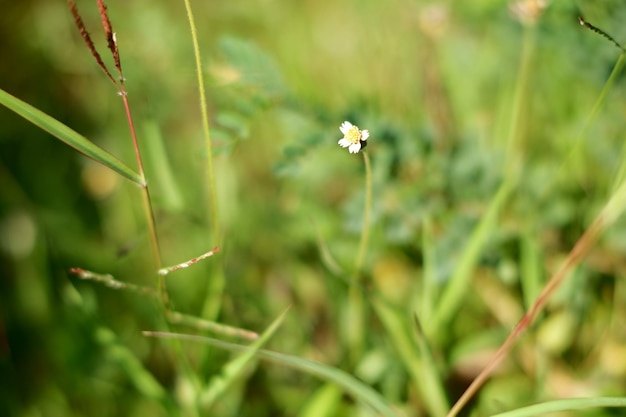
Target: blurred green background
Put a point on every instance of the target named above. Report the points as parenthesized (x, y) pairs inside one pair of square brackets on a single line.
[(435, 84)]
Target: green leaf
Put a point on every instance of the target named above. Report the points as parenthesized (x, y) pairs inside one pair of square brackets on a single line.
[(324, 402), (417, 358), (232, 370), (142, 379), (456, 289), (69, 136), (564, 405), (350, 384)]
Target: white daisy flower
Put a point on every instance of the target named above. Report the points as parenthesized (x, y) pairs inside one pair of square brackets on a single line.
[(353, 137)]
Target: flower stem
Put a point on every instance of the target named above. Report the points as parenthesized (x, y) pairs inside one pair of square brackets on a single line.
[(365, 233)]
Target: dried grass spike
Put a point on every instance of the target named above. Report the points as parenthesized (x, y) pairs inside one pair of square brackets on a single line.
[(110, 36), (85, 35), (599, 31), (167, 270), (109, 281), (104, 16)]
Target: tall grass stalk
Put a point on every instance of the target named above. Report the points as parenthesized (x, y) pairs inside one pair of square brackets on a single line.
[(607, 216), (206, 131), (147, 204), (617, 69), (415, 355), (121, 88), (212, 303), (608, 85), (610, 212), (576, 150), (515, 137), (427, 294), (454, 293)]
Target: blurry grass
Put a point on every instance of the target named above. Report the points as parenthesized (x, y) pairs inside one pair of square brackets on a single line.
[(347, 382), (564, 405), (437, 89)]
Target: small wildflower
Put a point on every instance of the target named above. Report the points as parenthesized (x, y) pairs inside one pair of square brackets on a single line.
[(527, 11), (353, 137), (434, 20)]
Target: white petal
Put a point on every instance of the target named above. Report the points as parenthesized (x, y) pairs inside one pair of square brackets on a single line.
[(345, 126), (365, 134), (344, 143), (355, 148)]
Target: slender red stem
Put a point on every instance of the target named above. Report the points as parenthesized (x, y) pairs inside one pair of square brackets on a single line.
[(579, 251)]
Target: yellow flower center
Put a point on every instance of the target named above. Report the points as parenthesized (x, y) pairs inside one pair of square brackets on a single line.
[(353, 135)]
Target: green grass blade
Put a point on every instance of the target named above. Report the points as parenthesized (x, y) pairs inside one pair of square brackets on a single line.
[(347, 382), (160, 168), (142, 380), (614, 77), (323, 403), (532, 278), (425, 298), (456, 289), (67, 135), (422, 368), (564, 405), (233, 369)]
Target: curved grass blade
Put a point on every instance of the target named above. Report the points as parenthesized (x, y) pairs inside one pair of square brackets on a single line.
[(233, 369), (416, 357), (69, 136), (323, 402), (611, 211), (455, 291), (347, 382), (564, 405), (142, 380)]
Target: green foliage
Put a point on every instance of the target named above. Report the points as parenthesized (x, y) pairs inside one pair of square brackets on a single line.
[(495, 142)]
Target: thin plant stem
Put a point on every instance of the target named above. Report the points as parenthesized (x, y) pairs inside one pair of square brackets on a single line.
[(109, 281), (121, 88), (212, 304), (612, 79), (610, 212), (205, 127), (617, 68), (354, 319), (147, 202), (455, 290), (217, 328), (365, 234), (187, 264), (515, 145)]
